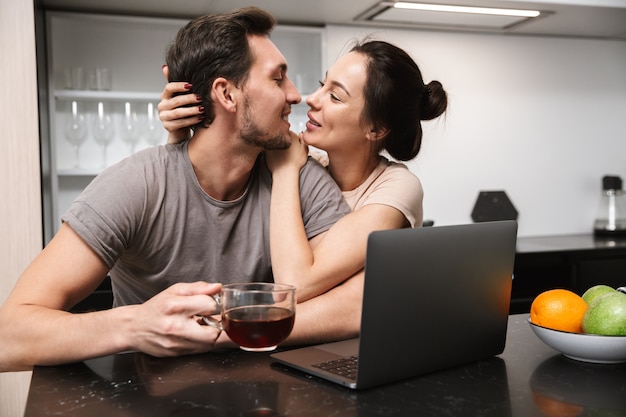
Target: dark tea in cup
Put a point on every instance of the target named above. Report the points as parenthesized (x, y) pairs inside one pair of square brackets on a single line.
[(258, 327), (256, 316)]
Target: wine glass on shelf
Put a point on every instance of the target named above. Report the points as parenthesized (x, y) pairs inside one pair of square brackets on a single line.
[(103, 131), (129, 128), (76, 131), (153, 132)]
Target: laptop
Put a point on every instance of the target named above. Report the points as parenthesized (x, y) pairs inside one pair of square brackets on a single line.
[(434, 298)]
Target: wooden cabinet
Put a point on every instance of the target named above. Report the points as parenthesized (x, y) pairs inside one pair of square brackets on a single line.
[(131, 50)]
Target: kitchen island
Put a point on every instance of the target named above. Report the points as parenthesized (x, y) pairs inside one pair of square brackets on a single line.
[(528, 379)]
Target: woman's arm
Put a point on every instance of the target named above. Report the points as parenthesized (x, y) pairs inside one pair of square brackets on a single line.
[(289, 245), (340, 254)]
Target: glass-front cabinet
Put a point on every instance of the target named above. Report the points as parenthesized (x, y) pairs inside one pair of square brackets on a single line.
[(104, 82)]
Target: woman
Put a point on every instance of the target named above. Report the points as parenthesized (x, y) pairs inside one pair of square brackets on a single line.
[(372, 100)]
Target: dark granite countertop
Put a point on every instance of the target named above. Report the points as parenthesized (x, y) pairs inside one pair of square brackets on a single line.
[(526, 380), (568, 243)]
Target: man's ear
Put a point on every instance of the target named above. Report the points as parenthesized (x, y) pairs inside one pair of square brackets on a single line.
[(224, 94)]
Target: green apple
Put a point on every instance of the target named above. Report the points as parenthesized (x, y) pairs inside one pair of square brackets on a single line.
[(607, 315), (596, 291)]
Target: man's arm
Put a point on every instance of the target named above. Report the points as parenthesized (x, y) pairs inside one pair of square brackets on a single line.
[(334, 315), (36, 329)]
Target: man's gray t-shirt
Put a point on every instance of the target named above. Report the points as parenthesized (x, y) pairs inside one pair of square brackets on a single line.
[(153, 225)]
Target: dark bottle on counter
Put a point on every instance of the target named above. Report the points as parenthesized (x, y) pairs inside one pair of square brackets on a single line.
[(611, 218)]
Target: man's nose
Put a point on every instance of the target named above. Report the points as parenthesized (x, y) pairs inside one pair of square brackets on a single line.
[(293, 95)]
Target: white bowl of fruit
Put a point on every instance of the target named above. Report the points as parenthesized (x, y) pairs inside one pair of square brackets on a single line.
[(591, 328)]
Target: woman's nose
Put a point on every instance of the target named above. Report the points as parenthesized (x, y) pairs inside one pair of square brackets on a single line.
[(313, 100)]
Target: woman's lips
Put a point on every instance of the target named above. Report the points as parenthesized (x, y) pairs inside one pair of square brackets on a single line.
[(313, 121)]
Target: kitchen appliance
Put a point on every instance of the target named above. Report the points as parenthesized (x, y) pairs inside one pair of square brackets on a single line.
[(611, 216)]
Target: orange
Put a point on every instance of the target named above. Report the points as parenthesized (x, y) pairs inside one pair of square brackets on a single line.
[(559, 309)]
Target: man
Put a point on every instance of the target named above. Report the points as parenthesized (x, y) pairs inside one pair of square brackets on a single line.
[(172, 222)]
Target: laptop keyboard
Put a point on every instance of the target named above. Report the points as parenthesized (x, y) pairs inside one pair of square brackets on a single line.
[(345, 367)]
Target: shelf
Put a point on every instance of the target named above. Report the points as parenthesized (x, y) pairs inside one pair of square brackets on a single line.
[(89, 95), (78, 172), (132, 49)]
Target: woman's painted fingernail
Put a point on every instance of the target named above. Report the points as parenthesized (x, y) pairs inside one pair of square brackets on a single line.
[(201, 109), (187, 86), (198, 98)]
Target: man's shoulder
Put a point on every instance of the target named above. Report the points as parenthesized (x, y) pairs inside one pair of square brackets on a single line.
[(156, 156), (158, 153), (315, 177), (314, 167), (311, 172), (134, 174)]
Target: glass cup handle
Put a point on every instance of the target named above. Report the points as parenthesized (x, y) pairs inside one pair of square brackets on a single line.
[(213, 322)]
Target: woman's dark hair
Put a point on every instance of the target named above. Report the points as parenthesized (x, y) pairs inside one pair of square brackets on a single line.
[(396, 98), (215, 46)]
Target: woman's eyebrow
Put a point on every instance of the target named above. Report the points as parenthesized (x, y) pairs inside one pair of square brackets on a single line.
[(340, 85)]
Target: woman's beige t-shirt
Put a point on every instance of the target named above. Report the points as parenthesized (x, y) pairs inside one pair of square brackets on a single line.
[(392, 184)]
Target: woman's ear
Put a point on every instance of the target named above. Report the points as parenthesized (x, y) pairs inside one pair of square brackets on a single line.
[(375, 134), (223, 94)]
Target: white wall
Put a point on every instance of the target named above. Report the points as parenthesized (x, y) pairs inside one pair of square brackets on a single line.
[(20, 198), (541, 118)]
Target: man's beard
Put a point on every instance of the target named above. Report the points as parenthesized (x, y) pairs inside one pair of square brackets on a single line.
[(251, 134)]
